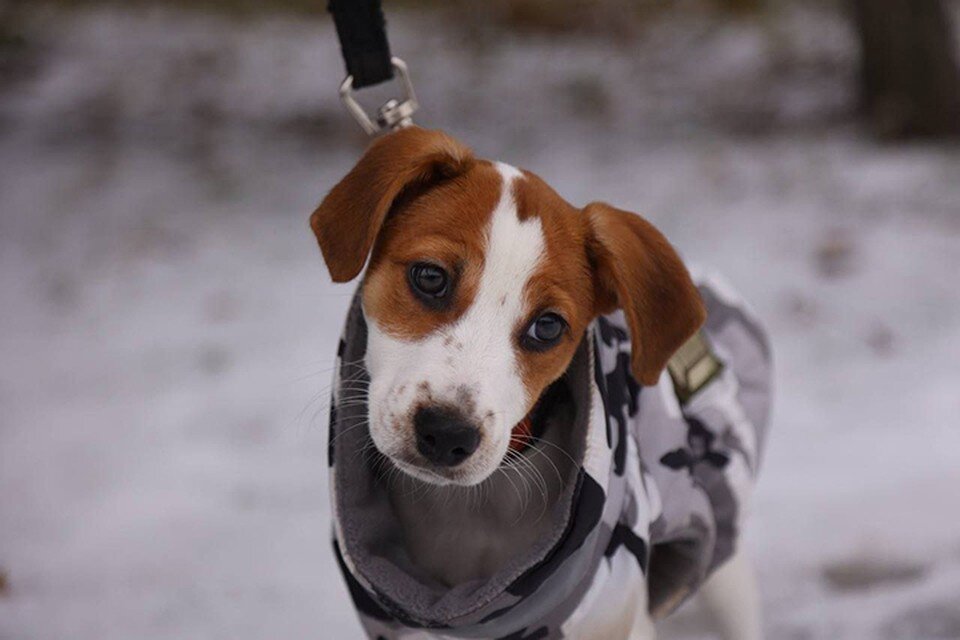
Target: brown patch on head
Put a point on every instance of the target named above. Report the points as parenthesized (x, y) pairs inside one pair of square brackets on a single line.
[(562, 284), (599, 259), (443, 225)]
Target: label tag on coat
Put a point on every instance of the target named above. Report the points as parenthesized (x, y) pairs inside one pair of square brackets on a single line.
[(693, 366)]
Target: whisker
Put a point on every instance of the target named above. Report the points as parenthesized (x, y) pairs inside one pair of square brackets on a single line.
[(541, 453), (536, 478)]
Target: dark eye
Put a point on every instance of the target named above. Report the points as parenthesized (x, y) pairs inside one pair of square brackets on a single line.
[(428, 280), (544, 332)]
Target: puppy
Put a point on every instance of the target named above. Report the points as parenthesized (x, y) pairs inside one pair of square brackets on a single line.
[(490, 444)]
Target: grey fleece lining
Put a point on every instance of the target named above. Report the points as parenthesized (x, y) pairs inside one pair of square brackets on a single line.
[(370, 532)]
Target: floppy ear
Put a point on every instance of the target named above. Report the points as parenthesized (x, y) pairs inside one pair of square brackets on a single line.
[(349, 218), (636, 269)]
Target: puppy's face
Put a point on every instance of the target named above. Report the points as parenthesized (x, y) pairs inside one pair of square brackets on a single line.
[(480, 284), (477, 294)]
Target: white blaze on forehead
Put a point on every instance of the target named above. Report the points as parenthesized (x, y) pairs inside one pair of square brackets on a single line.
[(487, 330), (471, 364), (513, 251)]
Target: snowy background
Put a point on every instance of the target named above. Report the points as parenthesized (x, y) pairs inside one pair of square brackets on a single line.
[(167, 326)]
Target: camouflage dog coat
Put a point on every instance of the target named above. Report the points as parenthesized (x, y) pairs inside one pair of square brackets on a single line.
[(663, 479)]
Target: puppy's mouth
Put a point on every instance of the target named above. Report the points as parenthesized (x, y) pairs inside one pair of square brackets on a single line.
[(522, 434), (531, 428), (417, 467), (424, 473), (523, 439), (528, 430)]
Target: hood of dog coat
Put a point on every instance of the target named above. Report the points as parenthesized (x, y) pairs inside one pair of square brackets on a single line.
[(656, 496)]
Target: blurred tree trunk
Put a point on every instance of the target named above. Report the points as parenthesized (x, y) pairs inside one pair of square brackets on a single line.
[(910, 83)]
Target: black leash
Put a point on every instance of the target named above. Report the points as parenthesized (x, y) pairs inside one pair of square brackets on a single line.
[(361, 28), (363, 40)]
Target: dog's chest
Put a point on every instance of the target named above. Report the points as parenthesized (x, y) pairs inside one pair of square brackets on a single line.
[(459, 534), (455, 544)]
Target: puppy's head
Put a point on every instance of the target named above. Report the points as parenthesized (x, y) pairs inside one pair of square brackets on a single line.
[(480, 284)]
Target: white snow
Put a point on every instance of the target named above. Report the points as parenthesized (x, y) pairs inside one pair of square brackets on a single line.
[(167, 327)]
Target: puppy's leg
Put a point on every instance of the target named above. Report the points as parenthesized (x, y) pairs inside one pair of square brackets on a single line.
[(731, 600), (643, 628), (615, 607)]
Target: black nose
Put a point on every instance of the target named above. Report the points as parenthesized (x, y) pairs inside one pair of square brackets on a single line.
[(444, 437)]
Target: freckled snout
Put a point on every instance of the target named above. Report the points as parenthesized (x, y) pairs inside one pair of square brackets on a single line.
[(444, 436)]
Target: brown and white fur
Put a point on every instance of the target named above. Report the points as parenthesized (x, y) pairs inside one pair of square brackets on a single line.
[(512, 250)]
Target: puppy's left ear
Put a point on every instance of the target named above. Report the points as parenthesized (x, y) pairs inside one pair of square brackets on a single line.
[(349, 219), (636, 269)]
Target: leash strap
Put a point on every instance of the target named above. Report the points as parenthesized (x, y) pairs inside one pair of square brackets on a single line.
[(361, 28)]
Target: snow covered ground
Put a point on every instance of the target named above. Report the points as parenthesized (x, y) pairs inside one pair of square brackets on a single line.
[(167, 327)]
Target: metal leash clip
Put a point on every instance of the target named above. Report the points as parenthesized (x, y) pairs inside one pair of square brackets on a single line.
[(393, 114)]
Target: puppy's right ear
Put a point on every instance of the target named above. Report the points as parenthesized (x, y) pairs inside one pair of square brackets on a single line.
[(348, 220), (638, 271)]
